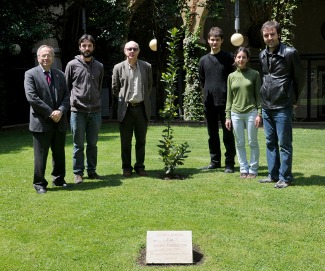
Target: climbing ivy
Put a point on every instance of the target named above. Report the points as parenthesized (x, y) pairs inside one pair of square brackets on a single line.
[(193, 50)]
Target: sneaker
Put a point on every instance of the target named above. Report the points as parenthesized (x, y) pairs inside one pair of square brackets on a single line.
[(78, 179), (282, 184), (267, 180), (243, 175), (251, 176), (229, 170), (94, 176), (40, 189), (212, 166), (127, 172), (142, 172)]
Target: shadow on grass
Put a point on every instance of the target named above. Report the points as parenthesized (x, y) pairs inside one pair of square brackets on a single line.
[(184, 173), (17, 139), (106, 181), (117, 180), (299, 179), (312, 180), (188, 173), (181, 174)]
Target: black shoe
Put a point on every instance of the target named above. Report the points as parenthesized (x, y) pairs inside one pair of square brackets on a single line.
[(94, 176), (60, 183), (212, 166), (40, 189), (229, 169)]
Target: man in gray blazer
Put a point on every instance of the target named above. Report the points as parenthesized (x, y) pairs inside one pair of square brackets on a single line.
[(48, 96), (132, 85)]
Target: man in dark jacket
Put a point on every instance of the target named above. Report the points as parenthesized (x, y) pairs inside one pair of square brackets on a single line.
[(283, 82), (48, 96), (84, 76), (214, 69)]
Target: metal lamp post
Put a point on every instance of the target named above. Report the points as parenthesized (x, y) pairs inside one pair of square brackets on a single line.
[(237, 39)]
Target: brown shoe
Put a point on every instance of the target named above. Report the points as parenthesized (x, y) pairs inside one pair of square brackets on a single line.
[(142, 172), (251, 176), (243, 175), (127, 172)]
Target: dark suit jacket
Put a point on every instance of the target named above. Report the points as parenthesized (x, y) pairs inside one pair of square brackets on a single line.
[(121, 89), (41, 103)]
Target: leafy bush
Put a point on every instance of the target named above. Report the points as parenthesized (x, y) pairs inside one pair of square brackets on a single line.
[(171, 154)]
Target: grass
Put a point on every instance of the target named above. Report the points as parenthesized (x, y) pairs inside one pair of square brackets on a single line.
[(101, 225)]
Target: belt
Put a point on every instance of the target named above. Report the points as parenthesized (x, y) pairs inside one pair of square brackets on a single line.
[(135, 104)]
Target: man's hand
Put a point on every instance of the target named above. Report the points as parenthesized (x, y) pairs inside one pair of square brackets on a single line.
[(56, 115)]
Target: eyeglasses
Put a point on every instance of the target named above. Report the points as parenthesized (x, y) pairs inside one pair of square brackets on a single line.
[(45, 56), (132, 49)]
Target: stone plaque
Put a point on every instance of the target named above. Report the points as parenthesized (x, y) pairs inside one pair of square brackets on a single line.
[(169, 247)]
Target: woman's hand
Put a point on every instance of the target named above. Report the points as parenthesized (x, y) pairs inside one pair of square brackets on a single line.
[(258, 121), (228, 124)]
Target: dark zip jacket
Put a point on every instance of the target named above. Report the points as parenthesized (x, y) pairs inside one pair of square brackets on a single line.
[(283, 77), (85, 83)]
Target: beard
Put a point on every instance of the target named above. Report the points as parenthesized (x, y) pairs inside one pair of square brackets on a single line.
[(86, 54)]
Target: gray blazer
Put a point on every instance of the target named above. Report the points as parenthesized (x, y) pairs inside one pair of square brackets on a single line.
[(41, 104), (121, 89)]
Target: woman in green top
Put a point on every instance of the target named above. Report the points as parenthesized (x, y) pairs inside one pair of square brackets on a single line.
[(243, 110)]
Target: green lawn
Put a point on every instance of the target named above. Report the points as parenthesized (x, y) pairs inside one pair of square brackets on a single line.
[(101, 225)]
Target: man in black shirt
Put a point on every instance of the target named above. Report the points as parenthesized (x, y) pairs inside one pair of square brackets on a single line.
[(214, 69)]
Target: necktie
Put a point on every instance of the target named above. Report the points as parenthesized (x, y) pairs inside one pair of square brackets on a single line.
[(48, 77), (52, 90)]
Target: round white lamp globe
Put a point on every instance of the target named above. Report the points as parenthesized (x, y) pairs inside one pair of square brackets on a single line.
[(15, 49), (153, 44), (237, 39)]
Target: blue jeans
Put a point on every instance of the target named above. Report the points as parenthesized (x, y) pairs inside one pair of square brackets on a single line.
[(85, 124), (240, 122), (278, 133)]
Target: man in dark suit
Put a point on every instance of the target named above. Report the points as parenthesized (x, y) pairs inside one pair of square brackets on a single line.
[(48, 96), (132, 84)]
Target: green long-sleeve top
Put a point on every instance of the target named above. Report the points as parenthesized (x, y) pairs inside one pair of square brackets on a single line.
[(243, 92)]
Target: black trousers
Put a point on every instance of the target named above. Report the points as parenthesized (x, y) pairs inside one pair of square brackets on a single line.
[(135, 121), (42, 142), (213, 115)]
